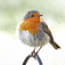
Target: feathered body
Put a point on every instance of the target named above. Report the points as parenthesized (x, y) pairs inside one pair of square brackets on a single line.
[(35, 40), (35, 32)]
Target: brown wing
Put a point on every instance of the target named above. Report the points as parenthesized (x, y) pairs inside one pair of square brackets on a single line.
[(46, 30)]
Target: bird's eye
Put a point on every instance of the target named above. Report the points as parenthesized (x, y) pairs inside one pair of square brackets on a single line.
[(32, 16)]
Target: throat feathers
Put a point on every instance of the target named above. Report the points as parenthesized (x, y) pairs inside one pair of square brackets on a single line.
[(31, 25)]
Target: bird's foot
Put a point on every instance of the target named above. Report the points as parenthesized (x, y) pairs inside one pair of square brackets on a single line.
[(34, 53), (33, 50)]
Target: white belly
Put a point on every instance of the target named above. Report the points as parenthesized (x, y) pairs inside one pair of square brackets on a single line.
[(35, 40)]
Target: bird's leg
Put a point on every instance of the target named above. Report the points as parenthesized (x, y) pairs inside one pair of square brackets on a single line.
[(34, 50), (34, 53), (38, 50)]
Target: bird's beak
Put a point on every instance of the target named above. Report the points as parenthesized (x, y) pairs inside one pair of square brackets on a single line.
[(40, 15)]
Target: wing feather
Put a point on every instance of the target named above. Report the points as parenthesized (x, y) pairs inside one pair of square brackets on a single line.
[(47, 30)]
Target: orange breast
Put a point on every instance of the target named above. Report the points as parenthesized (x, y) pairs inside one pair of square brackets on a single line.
[(30, 24)]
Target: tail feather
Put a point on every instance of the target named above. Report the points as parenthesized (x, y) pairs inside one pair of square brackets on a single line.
[(55, 45)]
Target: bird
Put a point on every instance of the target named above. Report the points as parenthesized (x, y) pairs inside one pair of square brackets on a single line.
[(34, 32)]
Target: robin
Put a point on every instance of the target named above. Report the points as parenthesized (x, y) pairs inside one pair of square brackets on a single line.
[(33, 31)]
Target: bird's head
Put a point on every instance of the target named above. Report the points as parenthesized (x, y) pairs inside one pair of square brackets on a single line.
[(32, 15), (31, 21)]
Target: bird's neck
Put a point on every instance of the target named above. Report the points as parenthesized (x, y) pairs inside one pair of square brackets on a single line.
[(30, 25)]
